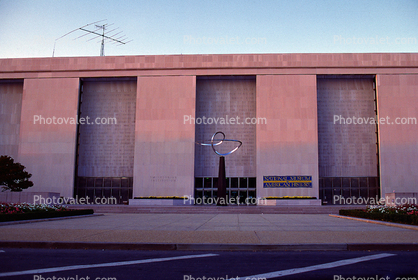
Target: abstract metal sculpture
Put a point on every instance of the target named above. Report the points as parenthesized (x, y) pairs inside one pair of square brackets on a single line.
[(221, 185)]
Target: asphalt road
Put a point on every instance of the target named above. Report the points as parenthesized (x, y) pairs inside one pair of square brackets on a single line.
[(49, 264)]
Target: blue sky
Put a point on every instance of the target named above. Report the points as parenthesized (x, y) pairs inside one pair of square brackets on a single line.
[(29, 28)]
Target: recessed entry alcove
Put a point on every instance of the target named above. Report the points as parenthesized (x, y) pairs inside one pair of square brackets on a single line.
[(348, 149), (225, 103), (105, 152), (11, 92)]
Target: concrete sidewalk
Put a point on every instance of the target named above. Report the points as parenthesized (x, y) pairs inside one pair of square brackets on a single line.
[(209, 231)]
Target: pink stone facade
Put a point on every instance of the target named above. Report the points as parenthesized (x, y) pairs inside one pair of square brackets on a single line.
[(288, 143), (164, 145), (48, 150), (286, 95), (398, 98)]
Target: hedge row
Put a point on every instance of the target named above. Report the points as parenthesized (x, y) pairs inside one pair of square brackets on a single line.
[(395, 218), (44, 215)]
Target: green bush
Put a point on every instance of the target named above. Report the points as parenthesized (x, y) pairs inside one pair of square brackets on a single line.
[(13, 176)]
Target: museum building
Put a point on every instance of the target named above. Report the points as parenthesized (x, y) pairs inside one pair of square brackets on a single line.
[(313, 125)]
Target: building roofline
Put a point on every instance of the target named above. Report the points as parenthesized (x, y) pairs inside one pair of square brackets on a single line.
[(251, 62)]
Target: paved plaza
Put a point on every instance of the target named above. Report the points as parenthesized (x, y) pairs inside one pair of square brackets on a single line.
[(263, 229)]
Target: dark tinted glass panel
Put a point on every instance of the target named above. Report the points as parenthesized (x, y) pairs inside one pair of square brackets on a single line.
[(125, 182), (98, 183), (243, 182), (90, 182), (207, 183), (198, 183), (107, 182), (234, 183), (252, 183)]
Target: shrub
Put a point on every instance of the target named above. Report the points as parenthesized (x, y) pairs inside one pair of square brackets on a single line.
[(16, 208), (404, 214), (25, 211), (13, 176)]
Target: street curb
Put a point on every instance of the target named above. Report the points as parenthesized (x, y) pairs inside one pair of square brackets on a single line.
[(261, 247), (383, 247), (210, 247), (375, 222), (48, 219)]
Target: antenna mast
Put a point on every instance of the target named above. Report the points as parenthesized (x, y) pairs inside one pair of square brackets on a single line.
[(100, 31), (103, 27)]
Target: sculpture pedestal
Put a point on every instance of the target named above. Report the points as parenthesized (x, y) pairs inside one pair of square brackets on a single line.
[(221, 185)]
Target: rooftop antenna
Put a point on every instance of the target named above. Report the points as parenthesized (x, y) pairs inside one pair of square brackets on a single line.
[(99, 29)]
